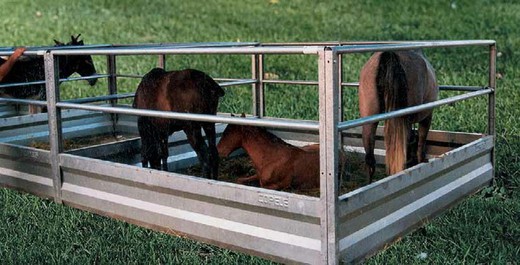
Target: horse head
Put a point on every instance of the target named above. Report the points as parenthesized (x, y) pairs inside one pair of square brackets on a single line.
[(81, 64)]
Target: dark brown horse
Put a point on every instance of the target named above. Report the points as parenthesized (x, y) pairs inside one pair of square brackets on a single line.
[(189, 91), (391, 81), (278, 164), (31, 68), (8, 64)]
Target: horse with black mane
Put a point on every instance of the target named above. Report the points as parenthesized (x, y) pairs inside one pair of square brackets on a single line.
[(188, 91), (31, 68), (391, 81)]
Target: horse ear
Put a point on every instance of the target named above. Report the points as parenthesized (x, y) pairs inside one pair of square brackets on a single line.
[(243, 115), (74, 40)]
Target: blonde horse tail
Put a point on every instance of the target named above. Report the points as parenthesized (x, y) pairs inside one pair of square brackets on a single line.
[(392, 86)]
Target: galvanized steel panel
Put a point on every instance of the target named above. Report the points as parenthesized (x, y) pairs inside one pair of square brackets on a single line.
[(373, 216), (15, 172), (270, 222)]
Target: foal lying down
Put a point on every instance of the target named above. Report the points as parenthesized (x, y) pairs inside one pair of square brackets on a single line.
[(278, 164)]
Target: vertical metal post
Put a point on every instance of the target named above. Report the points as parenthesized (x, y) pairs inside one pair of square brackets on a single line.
[(340, 88), (112, 86), (54, 116), (257, 70), (112, 78), (491, 99), (328, 120), (161, 61)]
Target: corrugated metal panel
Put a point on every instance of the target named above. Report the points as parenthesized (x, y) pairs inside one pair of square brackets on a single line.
[(15, 172), (274, 223), (373, 216)]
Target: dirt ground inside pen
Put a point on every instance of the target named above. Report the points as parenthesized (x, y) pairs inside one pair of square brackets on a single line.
[(80, 142), (353, 177), (232, 168)]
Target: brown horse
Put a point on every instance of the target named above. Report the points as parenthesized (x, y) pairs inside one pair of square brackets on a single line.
[(391, 81), (7, 65), (31, 68), (278, 164), (189, 91)]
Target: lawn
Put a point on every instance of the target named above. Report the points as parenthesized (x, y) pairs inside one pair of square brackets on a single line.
[(484, 228)]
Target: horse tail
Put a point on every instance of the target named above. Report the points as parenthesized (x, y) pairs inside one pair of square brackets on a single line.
[(392, 86)]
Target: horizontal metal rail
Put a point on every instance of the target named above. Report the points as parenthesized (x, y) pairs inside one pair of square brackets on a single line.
[(100, 98), (238, 82), (39, 50), (24, 101), (235, 82), (61, 80), (337, 43), (227, 81), (129, 75), (410, 110), (243, 48), (186, 44), (410, 46), (294, 125), (325, 43), (356, 84), (441, 87), (78, 100), (290, 82), (22, 84), (194, 50), (461, 88)]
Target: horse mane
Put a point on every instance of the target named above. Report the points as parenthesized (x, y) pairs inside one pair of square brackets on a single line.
[(73, 41)]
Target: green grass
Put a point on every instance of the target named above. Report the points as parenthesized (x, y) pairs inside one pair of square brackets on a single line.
[(484, 228)]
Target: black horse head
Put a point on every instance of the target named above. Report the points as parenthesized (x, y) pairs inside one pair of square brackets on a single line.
[(81, 64)]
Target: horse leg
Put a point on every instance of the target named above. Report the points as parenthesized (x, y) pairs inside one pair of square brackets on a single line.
[(164, 152), (279, 183), (411, 148), (143, 127), (424, 127), (274, 186), (194, 135), (369, 139), (34, 109), (245, 180), (213, 157)]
